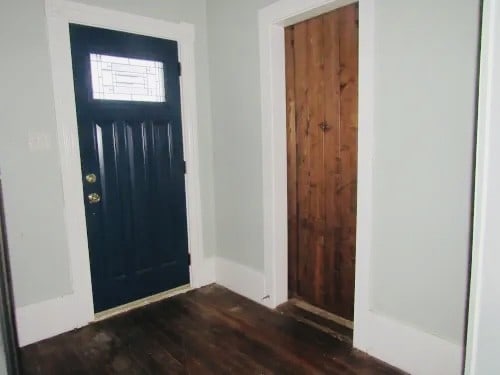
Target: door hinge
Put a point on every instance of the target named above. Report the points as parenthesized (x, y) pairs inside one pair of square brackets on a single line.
[(179, 66), (184, 167), (189, 259)]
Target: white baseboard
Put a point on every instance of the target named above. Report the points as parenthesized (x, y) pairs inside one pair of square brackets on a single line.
[(409, 349), (205, 273), (49, 318), (402, 346), (241, 279), (391, 341)]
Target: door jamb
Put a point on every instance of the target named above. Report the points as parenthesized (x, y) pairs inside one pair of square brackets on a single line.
[(59, 14), (272, 21), (481, 339)]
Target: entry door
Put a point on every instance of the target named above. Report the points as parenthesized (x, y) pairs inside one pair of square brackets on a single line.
[(129, 126), (322, 96)]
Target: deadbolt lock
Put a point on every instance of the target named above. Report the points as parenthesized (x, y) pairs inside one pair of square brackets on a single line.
[(91, 178), (94, 198)]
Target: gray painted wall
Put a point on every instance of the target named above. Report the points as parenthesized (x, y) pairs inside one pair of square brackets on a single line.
[(424, 128), (424, 134), (234, 71), (33, 191), (32, 179), (425, 74)]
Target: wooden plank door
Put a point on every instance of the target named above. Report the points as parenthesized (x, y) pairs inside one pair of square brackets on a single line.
[(322, 106)]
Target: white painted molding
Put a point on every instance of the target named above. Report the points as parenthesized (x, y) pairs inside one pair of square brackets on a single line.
[(405, 347), (483, 332), (366, 114), (242, 280), (49, 318), (75, 310), (205, 273)]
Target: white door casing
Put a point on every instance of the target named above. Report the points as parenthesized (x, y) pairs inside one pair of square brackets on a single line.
[(74, 310)]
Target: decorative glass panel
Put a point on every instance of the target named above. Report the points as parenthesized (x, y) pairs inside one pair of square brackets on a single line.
[(121, 78)]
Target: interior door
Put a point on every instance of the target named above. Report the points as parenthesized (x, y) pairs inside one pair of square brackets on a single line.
[(129, 125), (322, 92)]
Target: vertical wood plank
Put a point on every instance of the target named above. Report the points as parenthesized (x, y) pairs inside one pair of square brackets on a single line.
[(310, 162), (348, 133), (332, 149), (291, 161), (301, 50), (318, 154)]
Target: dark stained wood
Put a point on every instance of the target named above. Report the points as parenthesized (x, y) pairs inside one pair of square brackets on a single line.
[(207, 331), (310, 113), (348, 156), (294, 309), (300, 51), (321, 74), (333, 220), (291, 161), (313, 210)]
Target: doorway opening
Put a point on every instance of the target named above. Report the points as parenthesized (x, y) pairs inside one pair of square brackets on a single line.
[(321, 67), (273, 22)]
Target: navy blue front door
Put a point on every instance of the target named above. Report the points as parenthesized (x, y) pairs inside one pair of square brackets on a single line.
[(129, 124)]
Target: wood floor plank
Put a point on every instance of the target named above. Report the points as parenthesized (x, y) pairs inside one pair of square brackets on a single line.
[(309, 350), (207, 331), (280, 361), (290, 308), (205, 337)]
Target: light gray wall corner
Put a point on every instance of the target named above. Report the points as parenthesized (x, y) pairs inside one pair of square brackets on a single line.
[(235, 92), (425, 79)]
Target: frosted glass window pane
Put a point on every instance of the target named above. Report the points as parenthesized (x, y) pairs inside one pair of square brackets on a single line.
[(121, 78)]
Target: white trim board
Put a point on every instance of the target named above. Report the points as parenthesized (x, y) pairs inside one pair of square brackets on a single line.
[(483, 333), (242, 280), (49, 318), (405, 347), (382, 337), (45, 319)]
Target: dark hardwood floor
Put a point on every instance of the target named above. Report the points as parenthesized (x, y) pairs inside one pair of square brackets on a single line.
[(301, 311), (207, 331)]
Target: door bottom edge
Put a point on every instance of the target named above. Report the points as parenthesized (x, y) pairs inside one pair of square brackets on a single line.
[(322, 312), (102, 315)]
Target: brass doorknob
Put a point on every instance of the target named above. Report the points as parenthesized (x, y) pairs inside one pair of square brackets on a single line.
[(91, 178), (94, 198)]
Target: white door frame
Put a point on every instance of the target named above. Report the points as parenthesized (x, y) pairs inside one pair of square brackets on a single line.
[(272, 21), (77, 308), (483, 334), (392, 341)]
